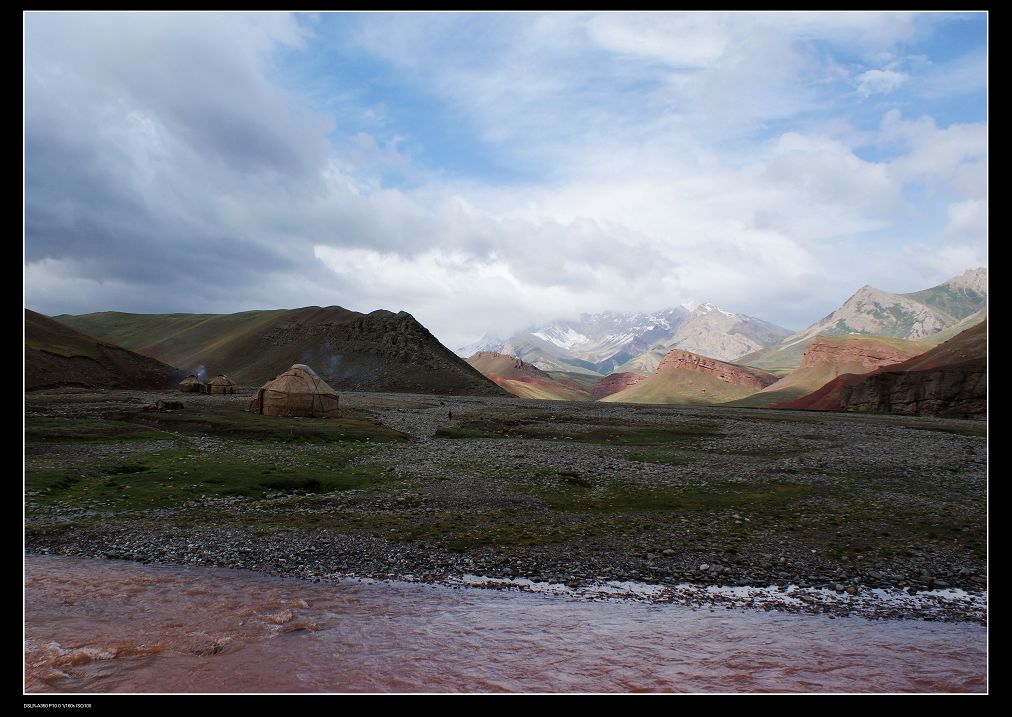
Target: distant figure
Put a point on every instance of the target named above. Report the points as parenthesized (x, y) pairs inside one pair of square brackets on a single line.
[(449, 414)]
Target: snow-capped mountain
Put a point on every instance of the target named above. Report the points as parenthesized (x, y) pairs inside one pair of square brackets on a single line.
[(485, 343), (600, 343)]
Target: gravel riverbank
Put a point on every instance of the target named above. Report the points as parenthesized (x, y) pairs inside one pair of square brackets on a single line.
[(845, 514)]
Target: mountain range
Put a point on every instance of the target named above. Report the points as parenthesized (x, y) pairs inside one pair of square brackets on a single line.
[(873, 333), (608, 342), (636, 358), (934, 314)]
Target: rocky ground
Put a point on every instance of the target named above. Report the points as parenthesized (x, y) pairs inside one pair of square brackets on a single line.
[(530, 494)]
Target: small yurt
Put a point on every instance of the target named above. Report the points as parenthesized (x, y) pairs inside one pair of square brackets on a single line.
[(296, 392), (220, 384), (192, 384)]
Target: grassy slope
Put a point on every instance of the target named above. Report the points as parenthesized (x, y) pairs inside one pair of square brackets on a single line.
[(582, 381), (645, 364), (969, 345), (56, 355), (530, 382), (955, 303), (44, 334), (803, 381), (975, 319), (546, 391), (222, 343), (777, 359), (378, 351), (680, 386)]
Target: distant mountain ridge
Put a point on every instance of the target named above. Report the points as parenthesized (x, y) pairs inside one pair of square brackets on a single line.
[(613, 341), (917, 316)]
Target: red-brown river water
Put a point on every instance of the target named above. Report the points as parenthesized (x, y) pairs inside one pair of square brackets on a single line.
[(111, 626)]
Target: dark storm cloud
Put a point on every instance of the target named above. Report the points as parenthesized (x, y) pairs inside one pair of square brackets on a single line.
[(145, 138)]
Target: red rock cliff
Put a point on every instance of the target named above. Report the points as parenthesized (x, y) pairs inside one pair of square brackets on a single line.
[(729, 373), (615, 382), (869, 354)]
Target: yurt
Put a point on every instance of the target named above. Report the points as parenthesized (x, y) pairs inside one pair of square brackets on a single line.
[(191, 384), (296, 392), (220, 384)]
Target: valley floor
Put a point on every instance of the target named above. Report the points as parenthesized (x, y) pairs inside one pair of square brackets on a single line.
[(525, 494)]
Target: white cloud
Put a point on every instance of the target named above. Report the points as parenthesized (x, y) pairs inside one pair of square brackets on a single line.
[(929, 265), (690, 40), (968, 219), (880, 82), (662, 155), (953, 158)]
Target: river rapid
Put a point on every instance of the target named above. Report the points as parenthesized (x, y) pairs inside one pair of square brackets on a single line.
[(96, 626)]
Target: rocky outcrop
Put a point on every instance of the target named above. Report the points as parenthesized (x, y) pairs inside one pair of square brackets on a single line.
[(384, 351), (728, 373), (613, 383), (505, 365), (869, 355), (954, 390)]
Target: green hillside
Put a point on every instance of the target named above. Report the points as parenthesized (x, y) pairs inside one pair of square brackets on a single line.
[(679, 386), (57, 355), (380, 351)]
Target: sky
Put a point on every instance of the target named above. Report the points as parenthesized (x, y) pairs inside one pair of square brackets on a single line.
[(487, 171)]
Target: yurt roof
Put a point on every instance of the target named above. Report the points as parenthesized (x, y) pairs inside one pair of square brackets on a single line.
[(299, 379)]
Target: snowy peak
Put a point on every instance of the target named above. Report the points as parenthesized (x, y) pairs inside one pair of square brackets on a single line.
[(709, 308), (563, 337), (485, 343), (604, 342)]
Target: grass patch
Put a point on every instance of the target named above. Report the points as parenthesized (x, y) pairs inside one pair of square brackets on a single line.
[(961, 429), (41, 429), (174, 477), (547, 427), (451, 432), (664, 455), (771, 452), (625, 497), (231, 421)]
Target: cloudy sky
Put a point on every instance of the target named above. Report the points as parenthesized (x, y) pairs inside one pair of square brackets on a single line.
[(487, 171)]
